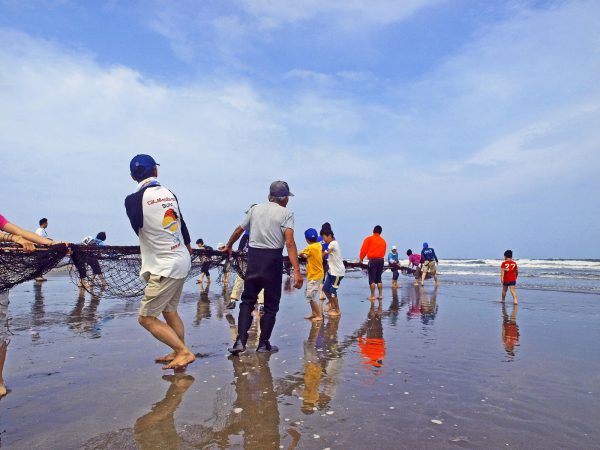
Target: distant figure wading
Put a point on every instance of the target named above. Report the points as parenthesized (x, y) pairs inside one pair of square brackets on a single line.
[(373, 248)]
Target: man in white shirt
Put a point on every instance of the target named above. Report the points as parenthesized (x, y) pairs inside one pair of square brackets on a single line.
[(165, 248), (41, 231), (335, 272), (271, 228)]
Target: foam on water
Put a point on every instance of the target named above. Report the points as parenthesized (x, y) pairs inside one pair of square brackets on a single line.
[(547, 274)]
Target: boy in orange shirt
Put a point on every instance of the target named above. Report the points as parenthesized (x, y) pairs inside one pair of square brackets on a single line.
[(508, 276), (314, 272)]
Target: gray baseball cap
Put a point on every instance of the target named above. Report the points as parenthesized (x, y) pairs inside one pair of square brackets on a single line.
[(280, 189)]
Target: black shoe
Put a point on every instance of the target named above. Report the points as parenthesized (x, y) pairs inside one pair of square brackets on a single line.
[(266, 347), (237, 348), (230, 305)]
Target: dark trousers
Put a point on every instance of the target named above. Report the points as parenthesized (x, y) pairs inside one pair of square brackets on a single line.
[(264, 271)]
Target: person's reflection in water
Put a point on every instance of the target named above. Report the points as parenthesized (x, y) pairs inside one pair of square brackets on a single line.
[(332, 362), (371, 341), (394, 308), (313, 370), (510, 330), (83, 319), (203, 307), (255, 413), (414, 304), (428, 305), (156, 430), (37, 311), (4, 338)]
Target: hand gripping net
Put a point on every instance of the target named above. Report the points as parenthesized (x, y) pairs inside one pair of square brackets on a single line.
[(17, 266)]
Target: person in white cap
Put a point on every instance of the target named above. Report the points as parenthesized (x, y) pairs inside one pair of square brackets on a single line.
[(393, 261)]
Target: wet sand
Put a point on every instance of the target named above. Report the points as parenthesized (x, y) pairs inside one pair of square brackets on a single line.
[(429, 369)]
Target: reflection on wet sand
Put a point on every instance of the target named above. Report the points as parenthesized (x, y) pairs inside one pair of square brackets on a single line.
[(510, 330), (322, 365), (246, 414), (428, 305), (203, 307), (83, 319), (156, 430), (254, 414), (371, 342)]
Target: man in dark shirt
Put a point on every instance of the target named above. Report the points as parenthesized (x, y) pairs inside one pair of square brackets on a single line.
[(429, 262)]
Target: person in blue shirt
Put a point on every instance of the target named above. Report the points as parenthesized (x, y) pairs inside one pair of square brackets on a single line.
[(429, 261), (394, 262)]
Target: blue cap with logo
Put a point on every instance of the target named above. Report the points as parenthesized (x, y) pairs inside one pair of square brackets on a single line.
[(311, 234), (142, 166), (280, 189)]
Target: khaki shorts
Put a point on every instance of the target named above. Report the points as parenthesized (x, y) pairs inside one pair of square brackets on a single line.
[(429, 266), (161, 294), (4, 332), (312, 289)]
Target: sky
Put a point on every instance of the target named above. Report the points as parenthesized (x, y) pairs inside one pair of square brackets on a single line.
[(474, 126)]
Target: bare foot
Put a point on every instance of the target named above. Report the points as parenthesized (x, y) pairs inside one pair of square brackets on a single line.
[(334, 313), (317, 319), (380, 297), (371, 297), (309, 317), (181, 361), (3, 390), (165, 359)]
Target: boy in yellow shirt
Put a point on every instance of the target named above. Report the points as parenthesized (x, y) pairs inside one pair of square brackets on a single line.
[(314, 272)]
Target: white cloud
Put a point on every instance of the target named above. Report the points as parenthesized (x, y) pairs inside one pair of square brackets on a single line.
[(511, 118), (273, 14), (68, 127)]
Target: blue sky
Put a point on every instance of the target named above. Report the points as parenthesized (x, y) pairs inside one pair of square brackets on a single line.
[(471, 125)]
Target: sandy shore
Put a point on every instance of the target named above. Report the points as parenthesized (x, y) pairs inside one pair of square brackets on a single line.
[(429, 369)]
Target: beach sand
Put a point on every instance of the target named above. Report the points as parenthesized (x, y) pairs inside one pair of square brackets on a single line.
[(429, 369)]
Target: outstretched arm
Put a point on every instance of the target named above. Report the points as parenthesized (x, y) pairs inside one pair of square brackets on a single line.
[(237, 233), (292, 251), (24, 238)]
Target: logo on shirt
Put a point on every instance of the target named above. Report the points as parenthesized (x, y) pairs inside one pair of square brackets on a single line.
[(170, 222)]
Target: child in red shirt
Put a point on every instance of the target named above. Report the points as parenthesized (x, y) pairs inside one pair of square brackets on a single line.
[(508, 276)]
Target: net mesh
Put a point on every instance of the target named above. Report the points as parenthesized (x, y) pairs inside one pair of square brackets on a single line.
[(113, 271), (17, 266)]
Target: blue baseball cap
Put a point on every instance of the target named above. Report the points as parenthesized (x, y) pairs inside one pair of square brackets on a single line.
[(311, 234), (425, 245), (142, 166)]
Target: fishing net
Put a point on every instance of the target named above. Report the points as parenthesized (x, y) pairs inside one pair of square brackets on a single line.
[(113, 271), (17, 266)]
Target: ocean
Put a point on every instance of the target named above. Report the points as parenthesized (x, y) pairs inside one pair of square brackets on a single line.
[(562, 275)]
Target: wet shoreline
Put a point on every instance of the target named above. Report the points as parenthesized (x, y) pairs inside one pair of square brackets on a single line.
[(429, 369)]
